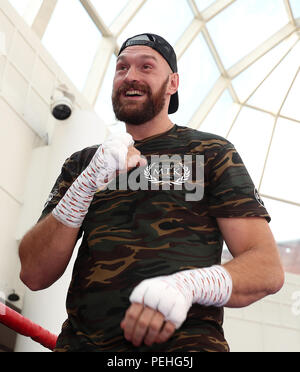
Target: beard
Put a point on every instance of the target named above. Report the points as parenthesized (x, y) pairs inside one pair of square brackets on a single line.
[(137, 113)]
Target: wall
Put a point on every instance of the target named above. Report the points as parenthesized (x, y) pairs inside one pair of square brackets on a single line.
[(33, 146), (16, 141), (269, 325)]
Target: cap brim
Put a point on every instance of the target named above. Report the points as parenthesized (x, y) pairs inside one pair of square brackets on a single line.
[(174, 103)]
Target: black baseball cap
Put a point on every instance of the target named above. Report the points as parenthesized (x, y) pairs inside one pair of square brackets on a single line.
[(165, 49)]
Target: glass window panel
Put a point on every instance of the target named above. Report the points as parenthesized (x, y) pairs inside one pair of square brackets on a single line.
[(73, 47), (248, 80), (108, 11), (285, 227), (291, 107), (284, 220), (27, 8), (295, 4), (271, 94), (282, 176), (203, 4), (251, 134), (103, 105), (220, 117), (197, 75), (20, 6), (290, 255), (168, 18), (245, 24)]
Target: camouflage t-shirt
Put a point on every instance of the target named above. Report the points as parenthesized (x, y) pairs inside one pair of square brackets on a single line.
[(134, 233)]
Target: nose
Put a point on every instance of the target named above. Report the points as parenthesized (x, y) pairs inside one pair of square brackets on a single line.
[(131, 75)]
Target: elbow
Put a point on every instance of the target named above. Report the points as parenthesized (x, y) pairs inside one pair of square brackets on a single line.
[(30, 282), (29, 275), (277, 280)]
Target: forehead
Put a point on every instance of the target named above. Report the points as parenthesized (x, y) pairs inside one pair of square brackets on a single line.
[(142, 52)]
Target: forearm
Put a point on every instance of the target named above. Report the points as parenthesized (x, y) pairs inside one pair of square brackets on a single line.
[(255, 272), (254, 275), (247, 278), (45, 252)]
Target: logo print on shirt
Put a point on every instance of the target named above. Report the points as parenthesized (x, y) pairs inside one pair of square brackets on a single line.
[(162, 174)]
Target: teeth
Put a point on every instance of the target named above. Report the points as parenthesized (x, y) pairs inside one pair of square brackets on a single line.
[(134, 93)]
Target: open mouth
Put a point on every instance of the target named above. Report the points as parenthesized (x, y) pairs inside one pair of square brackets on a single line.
[(134, 93)]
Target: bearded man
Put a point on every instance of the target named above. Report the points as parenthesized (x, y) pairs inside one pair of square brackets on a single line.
[(148, 275)]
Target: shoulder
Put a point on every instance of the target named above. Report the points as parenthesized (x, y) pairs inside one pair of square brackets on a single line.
[(80, 159), (203, 141)]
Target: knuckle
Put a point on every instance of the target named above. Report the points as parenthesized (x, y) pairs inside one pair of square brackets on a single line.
[(162, 338), (131, 315), (154, 327), (143, 324), (169, 328)]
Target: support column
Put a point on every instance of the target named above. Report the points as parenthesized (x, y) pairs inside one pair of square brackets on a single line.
[(43, 17)]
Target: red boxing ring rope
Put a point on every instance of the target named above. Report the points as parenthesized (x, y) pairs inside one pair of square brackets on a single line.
[(26, 327)]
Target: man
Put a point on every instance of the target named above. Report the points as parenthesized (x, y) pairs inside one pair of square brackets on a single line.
[(148, 276)]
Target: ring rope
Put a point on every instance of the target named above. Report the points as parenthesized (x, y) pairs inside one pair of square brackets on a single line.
[(26, 327)]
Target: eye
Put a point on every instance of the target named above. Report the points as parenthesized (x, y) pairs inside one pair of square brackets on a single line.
[(147, 67), (121, 67)]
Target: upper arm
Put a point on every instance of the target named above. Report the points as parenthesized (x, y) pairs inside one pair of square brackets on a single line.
[(70, 170), (245, 233)]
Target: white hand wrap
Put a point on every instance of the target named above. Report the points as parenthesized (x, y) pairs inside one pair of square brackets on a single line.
[(173, 295), (110, 157)]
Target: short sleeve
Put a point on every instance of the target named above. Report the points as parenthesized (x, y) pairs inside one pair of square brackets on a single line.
[(232, 192), (63, 182), (70, 170)]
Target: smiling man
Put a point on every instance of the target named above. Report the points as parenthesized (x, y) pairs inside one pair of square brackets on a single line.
[(148, 275), (135, 102), (145, 85)]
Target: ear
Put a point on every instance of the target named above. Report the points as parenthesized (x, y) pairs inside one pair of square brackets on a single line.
[(173, 83)]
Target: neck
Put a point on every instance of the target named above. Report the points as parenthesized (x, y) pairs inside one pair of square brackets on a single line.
[(153, 127)]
